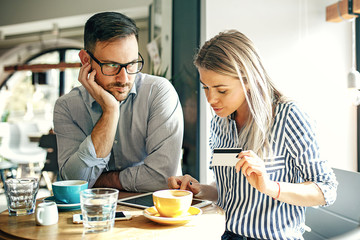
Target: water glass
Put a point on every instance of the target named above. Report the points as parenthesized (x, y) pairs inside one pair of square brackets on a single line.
[(98, 206), (21, 195)]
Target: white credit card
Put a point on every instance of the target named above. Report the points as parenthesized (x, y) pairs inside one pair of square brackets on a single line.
[(225, 156)]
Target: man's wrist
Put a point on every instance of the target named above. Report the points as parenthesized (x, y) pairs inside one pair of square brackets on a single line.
[(110, 180)]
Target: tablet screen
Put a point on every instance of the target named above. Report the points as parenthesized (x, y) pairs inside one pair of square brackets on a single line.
[(143, 200)]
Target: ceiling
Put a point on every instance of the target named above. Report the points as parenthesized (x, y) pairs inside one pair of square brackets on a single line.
[(42, 25), (27, 26)]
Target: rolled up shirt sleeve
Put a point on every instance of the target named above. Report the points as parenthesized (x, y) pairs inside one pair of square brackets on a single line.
[(84, 164), (76, 153), (303, 146)]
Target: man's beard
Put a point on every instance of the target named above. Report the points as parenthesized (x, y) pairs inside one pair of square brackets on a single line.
[(120, 96), (117, 84), (109, 88)]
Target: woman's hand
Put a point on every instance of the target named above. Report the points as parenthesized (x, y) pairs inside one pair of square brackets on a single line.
[(253, 168), (185, 182), (87, 78), (300, 194)]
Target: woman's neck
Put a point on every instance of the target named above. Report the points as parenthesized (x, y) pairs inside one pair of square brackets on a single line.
[(241, 117)]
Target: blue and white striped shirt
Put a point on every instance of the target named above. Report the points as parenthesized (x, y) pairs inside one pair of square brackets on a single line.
[(253, 214)]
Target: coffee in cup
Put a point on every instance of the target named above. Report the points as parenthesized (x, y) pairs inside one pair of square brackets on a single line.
[(68, 191), (172, 203)]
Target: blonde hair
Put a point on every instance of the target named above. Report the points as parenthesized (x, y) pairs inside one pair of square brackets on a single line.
[(231, 53)]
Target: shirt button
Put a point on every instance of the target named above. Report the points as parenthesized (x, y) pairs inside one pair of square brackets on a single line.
[(115, 142)]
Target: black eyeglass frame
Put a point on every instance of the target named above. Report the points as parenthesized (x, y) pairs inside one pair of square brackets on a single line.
[(121, 65)]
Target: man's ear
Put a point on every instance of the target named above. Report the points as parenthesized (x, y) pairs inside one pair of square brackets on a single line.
[(84, 57)]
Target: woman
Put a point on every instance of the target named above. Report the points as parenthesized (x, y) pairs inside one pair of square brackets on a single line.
[(280, 172)]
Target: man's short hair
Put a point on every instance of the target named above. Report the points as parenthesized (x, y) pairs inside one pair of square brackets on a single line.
[(108, 26)]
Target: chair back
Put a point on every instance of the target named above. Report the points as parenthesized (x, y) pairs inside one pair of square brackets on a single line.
[(10, 136), (16, 146), (343, 216), (25, 130)]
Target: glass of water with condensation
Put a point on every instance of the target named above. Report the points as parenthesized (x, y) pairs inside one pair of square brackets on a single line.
[(98, 206)]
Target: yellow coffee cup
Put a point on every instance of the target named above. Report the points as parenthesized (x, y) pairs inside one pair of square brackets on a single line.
[(172, 203)]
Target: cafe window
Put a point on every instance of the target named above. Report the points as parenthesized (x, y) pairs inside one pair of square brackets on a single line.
[(28, 95)]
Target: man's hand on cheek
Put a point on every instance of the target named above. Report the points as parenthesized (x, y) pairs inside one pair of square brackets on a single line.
[(87, 78)]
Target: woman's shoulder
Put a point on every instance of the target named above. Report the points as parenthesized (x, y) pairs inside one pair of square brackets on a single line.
[(289, 108), (286, 106), (293, 115)]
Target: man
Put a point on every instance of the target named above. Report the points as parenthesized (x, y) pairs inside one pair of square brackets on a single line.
[(121, 128)]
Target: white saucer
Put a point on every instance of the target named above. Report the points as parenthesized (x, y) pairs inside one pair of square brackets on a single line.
[(152, 214), (64, 206)]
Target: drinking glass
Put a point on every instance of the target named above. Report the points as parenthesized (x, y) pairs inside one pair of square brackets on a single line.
[(21, 195), (98, 206)]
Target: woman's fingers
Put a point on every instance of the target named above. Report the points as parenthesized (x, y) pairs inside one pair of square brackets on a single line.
[(194, 187), (174, 182), (242, 163), (179, 182), (183, 183), (239, 165), (249, 163), (248, 153), (252, 169), (186, 181)]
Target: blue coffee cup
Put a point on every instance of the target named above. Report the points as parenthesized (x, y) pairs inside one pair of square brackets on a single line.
[(68, 191)]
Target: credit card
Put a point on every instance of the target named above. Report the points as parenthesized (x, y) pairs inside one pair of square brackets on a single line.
[(225, 156)]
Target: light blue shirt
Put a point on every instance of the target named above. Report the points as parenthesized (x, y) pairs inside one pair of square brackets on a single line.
[(148, 140), (253, 214)]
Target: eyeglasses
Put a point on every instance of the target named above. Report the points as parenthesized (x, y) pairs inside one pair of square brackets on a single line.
[(111, 69)]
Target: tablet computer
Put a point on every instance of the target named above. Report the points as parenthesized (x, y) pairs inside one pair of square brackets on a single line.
[(145, 200), (225, 156)]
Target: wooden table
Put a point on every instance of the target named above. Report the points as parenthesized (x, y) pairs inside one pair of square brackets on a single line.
[(210, 225)]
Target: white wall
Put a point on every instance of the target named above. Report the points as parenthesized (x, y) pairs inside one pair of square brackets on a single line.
[(307, 57)]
